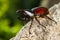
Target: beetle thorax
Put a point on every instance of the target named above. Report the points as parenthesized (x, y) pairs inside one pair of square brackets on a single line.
[(29, 13)]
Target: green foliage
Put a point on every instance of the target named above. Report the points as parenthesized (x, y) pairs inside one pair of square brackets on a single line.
[(9, 24)]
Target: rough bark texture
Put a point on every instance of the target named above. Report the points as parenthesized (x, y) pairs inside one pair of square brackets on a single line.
[(38, 32)]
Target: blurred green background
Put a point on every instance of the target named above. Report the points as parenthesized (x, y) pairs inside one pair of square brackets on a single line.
[(9, 24)]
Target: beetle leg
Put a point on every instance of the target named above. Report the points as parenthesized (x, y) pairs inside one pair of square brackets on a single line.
[(51, 19), (30, 25), (39, 22)]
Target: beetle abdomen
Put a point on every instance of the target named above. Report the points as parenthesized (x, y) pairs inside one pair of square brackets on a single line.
[(41, 11)]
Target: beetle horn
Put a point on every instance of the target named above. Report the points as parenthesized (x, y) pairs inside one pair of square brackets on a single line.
[(21, 10)]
